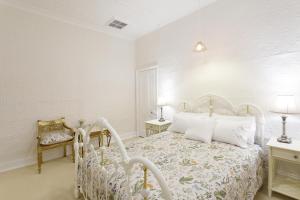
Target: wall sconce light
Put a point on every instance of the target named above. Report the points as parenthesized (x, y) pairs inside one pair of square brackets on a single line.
[(200, 47)]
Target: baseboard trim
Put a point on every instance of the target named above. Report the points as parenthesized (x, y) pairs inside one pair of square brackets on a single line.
[(15, 164), (23, 162), (128, 135)]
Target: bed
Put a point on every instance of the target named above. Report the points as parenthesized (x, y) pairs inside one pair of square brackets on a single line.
[(169, 166)]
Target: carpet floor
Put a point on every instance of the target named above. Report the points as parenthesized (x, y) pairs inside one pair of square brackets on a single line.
[(55, 183)]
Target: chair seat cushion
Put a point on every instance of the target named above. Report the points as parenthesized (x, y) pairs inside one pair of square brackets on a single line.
[(55, 137)]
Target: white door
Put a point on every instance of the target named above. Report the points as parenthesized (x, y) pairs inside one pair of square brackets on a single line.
[(146, 97)]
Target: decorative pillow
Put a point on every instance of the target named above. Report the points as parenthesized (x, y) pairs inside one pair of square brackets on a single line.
[(180, 121), (249, 124), (55, 137), (201, 129)]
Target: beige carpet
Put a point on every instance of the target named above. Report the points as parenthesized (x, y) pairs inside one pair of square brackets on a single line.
[(55, 183)]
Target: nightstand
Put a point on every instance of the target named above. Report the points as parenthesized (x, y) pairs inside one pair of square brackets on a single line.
[(155, 126), (287, 153)]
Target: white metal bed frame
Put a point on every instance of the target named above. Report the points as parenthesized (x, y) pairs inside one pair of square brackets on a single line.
[(83, 147), (206, 104)]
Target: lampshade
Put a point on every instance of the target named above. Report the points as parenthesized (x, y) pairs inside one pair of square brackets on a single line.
[(285, 104), (200, 47), (161, 101)]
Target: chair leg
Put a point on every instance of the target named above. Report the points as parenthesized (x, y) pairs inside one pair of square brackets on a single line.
[(40, 160), (65, 151), (99, 140), (108, 140)]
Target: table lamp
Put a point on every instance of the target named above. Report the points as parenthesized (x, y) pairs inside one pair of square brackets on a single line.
[(284, 105), (161, 102)]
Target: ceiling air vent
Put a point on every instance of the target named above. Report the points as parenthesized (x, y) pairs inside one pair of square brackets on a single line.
[(117, 24)]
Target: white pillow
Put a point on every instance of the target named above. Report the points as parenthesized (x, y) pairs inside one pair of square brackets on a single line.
[(249, 124), (180, 121), (233, 132), (201, 129)]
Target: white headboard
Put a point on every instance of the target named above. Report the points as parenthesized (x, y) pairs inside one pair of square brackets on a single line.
[(216, 104)]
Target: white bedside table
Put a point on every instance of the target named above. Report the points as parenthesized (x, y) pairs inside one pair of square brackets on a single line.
[(155, 126), (288, 153)]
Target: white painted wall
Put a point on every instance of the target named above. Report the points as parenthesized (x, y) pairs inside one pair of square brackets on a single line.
[(50, 69), (253, 55)]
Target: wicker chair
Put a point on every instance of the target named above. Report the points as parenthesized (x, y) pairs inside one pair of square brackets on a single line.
[(53, 134)]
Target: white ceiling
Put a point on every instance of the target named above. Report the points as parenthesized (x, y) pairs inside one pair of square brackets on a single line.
[(142, 16)]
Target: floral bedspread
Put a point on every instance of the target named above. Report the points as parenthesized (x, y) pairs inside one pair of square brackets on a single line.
[(192, 169)]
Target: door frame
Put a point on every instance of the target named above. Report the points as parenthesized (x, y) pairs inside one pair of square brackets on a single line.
[(137, 73)]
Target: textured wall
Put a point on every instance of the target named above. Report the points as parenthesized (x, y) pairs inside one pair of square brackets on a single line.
[(49, 69), (253, 55)]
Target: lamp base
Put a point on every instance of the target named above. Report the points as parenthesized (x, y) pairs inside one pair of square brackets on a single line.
[(284, 139), (161, 119)]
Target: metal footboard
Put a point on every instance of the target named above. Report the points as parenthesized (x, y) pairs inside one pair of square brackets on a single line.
[(91, 178)]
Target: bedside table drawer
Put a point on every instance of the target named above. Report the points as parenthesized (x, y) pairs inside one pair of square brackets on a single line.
[(155, 126), (152, 127), (286, 155), (165, 127)]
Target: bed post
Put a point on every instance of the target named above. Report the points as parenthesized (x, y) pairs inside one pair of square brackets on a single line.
[(77, 157), (145, 181), (211, 109), (102, 148)]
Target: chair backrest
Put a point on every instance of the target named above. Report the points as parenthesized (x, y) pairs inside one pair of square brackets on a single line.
[(50, 126)]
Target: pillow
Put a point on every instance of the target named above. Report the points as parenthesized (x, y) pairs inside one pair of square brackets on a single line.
[(201, 129), (180, 121), (249, 123), (232, 132)]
